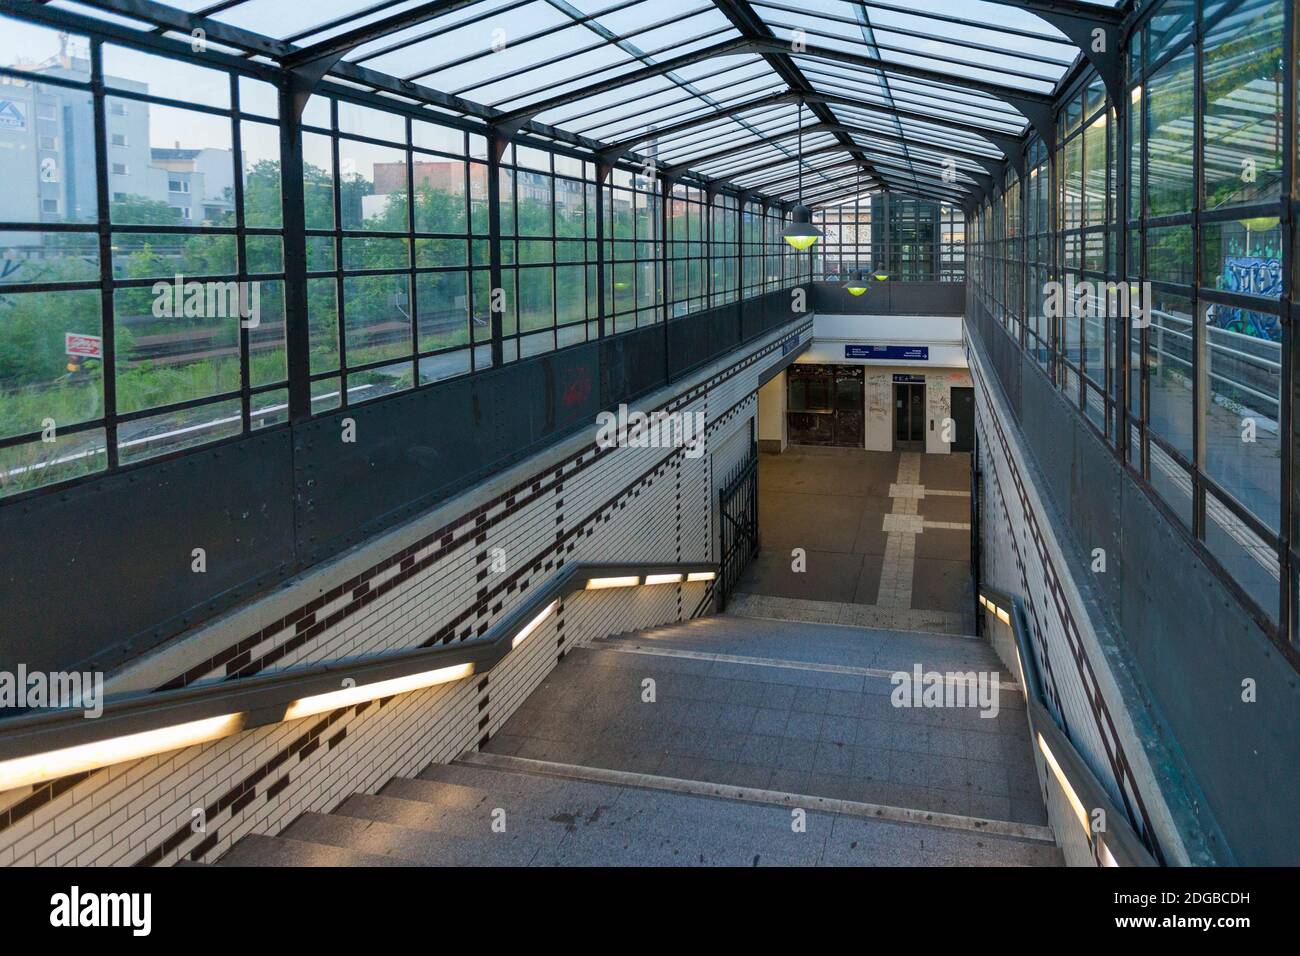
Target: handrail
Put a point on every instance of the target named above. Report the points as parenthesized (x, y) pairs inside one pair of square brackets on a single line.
[(1116, 845), (43, 745)]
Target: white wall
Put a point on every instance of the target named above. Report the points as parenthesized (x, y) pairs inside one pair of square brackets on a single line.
[(878, 389), (940, 333), (771, 413), (945, 367)]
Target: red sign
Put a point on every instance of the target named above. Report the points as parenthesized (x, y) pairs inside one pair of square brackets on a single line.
[(86, 346)]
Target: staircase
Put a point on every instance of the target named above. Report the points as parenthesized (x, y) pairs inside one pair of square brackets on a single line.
[(721, 741)]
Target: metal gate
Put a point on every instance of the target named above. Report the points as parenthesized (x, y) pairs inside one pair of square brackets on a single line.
[(738, 508)]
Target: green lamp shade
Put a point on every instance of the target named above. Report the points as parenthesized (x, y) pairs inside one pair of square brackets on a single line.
[(857, 283), (801, 233)]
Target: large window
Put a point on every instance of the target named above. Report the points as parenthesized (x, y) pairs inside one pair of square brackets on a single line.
[(145, 267), (846, 240), (1195, 366), (160, 326), (634, 290), (687, 250)]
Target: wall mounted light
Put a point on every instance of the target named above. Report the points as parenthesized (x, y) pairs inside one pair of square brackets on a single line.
[(663, 579), (38, 768), (600, 584), (361, 693), (534, 624)]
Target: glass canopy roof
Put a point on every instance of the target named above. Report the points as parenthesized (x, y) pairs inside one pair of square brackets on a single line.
[(918, 96)]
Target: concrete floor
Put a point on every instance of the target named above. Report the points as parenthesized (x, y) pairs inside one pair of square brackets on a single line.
[(836, 504)]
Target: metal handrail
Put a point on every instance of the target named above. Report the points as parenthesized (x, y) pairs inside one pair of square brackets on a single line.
[(1118, 844), (267, 699)]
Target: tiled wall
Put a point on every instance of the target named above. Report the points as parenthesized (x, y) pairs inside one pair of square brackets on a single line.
[(430, 581), (1024, 554)]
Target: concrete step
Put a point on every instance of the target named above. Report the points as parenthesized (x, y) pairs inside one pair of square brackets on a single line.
[(433, 824), (353, 830), (445, 819), (258, 850), (771, 607), (821, 643)]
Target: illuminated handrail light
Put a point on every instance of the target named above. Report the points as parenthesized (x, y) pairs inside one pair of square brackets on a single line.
[(663, 579), (38, 768), (533, 625), (385, 688), (1075, 803), (626, 581), (1002, 615), (701, 576)]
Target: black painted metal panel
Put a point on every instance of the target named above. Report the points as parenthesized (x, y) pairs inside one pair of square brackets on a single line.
[(631, 364), (102, 571), (414, 450), (892, 298), (696, 340)]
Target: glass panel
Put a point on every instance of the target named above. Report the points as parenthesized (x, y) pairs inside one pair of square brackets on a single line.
[(30, 257), (1170, 120), (1243, 409), (377, 322), (1244, 80), (50, 372), (1170, 371), (443, 302), (260, 146), (173, 346), (170, 166), (48, 156), (372, 186), (137, 72)]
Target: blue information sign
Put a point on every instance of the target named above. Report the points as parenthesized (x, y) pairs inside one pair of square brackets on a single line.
[(902, 353)]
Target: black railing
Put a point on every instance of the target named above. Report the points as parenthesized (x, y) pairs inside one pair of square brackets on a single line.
[(738, 510)]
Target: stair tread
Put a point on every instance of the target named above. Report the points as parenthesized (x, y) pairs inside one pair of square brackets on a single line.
[(639, 827), (804, 642), (414, 845), (256, 849)]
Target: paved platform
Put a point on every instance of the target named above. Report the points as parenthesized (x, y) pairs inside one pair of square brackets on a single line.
[(879, 529)]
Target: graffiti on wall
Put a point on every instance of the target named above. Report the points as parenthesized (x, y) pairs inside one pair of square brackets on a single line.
[(1251, 275)]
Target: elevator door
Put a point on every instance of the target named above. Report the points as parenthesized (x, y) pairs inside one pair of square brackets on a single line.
[(849, 424), (909, 416), (963, 418)]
